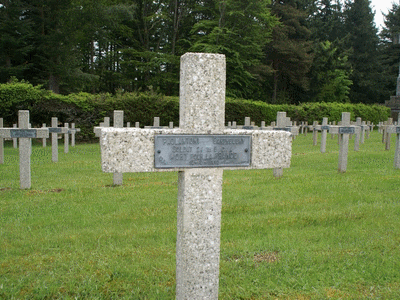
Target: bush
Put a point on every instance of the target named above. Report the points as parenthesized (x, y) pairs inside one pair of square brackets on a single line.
[(87, 110)]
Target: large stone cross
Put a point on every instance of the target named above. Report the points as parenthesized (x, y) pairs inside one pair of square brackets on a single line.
[(200, 149)]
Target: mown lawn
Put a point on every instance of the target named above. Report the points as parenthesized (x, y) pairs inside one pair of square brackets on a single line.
[(312, 234)]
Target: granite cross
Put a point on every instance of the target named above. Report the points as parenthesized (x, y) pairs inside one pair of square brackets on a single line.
[(24, 133), (1, 144), (324, 132), (396, 129), (55, 131), (200, 149), (72, 131), (344, 130)]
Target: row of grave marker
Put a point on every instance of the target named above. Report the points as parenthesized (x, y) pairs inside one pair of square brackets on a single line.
[(24, 133)]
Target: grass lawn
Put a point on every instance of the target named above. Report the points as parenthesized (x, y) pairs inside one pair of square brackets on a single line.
[(312, 234)]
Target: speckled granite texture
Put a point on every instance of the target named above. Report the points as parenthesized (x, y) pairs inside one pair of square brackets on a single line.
[(132, 150)]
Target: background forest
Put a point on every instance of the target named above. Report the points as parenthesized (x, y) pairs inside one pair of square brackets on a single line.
[(287, 51)]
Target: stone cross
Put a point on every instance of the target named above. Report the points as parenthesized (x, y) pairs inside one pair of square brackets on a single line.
[(200, 149), (44, 140), (396, 130), (25, 134), (66, 138), (344, 131), (1, 144), (106, 123), (118, 123), (386, 135), (324, 132), (357, 138), (314, 129), (15, 140), (72, 132), (55, 131)]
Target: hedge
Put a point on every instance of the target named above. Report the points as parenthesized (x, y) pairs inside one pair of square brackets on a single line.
[(88, 110)]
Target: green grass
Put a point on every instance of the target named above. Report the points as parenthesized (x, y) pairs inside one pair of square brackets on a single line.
[(312, 234)]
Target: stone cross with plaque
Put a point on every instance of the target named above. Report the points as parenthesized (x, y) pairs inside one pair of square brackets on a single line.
[(200, 149), (55, 131), (24, 133), (344, 131)]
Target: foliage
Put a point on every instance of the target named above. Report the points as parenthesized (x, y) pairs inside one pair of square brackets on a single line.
[(330, 74)]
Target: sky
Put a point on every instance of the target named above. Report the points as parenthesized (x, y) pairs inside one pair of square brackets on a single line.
[(381, 5)]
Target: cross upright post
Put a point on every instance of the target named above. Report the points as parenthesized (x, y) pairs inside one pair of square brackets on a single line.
[(118, 123), (200, 149), (1, 144), (72, 132), (324, 133), (55, 131), (66, 138), (358, 132), (344, 130)]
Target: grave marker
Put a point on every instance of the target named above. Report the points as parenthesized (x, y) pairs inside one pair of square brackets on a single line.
[(118, 123), (66, 138), (324, 132), (25, 134), (72, 132), (396, 129), (55, 131), (202, 112), (343, 130), (15, 141), (1, 144)]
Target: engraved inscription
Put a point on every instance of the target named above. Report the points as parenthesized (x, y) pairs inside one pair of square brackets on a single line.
[(196, 151), (347, 130), (55, 130), (22, 133)]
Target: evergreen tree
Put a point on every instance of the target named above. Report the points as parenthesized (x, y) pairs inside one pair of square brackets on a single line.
[(289, 52), (390, 39), (363, 40), (239, 29)]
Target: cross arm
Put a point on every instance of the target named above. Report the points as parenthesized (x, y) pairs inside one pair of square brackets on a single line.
[(125, 150), (24, 133)]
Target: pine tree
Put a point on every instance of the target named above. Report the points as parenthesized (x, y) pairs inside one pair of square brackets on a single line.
[(363, 40), (289, 52)]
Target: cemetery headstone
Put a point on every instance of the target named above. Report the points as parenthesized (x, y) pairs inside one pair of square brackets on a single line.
[(73, 132), (118, 123), (396, 130), (44, 140), (200, 149), (66, 138), (324, 132), (343, 130), (1, 144), (15, 140), (25, 134), (357, 138), (55, 131)]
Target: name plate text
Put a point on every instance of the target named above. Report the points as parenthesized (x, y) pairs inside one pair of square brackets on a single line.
[(347, 130), (201, 151), (23, 133), (54, 129)]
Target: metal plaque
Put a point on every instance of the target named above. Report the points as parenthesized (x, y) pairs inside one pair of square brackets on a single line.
[(201, 151), (283, 129), (54, 129), (347, 130), (324, 127), (22, 133)]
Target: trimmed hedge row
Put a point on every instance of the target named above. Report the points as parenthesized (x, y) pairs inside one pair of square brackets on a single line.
[(87, 110)]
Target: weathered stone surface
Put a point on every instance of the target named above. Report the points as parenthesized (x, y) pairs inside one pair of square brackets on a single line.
[(127, 150)]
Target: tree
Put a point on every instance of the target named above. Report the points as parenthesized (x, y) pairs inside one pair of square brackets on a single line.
[(330, 74), (289, 52), (15, 40), (390, 40), (239, 29), (364, 41)]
